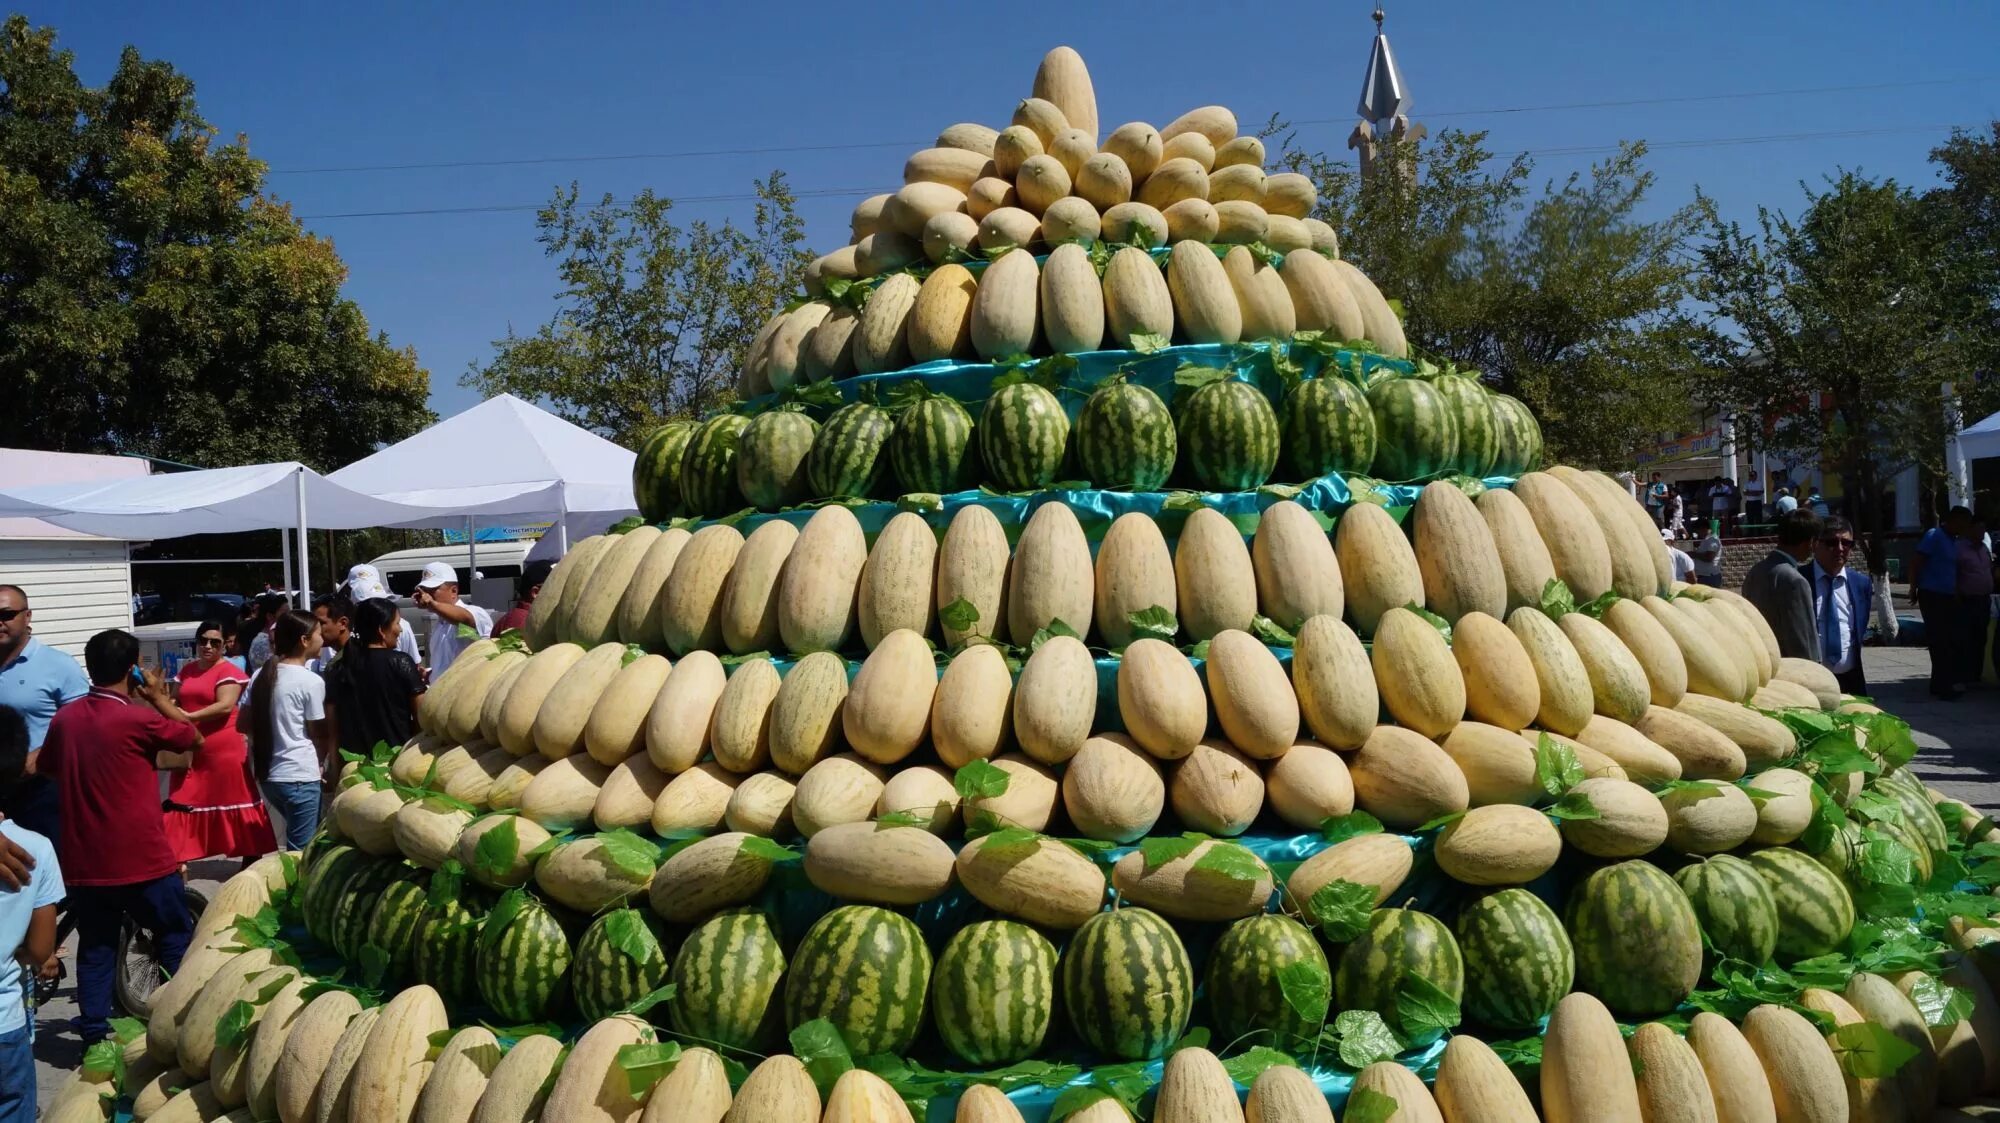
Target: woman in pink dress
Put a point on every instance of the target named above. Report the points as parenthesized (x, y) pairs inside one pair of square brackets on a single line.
[(212, 807)]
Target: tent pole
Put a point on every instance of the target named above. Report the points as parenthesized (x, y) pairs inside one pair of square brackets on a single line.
[(285, 550), (471, 556), (562, 524), (305, 536)]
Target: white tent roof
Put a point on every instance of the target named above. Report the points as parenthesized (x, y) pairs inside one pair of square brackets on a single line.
[(21, 467), (502, 457), (1977, 442), (212, 501)]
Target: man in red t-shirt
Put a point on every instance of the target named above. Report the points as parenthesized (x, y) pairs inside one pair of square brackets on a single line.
[(116, 861)]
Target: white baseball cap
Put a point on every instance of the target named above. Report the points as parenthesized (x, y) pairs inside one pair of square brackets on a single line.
[(438, 573), (361, 576), (362, 589)]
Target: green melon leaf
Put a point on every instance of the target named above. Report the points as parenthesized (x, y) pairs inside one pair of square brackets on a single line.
[(1423, 1010), (504, 911), (234, 1025), (1939, 1002), (1269, 631), (1247, 1066), (1341, 909), (629, 854), (1147, 342), (1556, 766), (1869, 1051), (1153, 622), (652, 998), (1442, 625), (1192, 377), (980, 779), (1072, 1100), (447, 883), (1308, 989), (627, 931), (759, 847), (1371, 1106), (1572, 805), (1441, 822), (1056, 627), (900, 819), (1230, 860), (1009, 839), (960, 615), (1598, 606), (1364, 1038), (497, 849), (126, 1030), (1340, 828), (1557, 600), (818, 1046), (1157, 852), (645, 1065)]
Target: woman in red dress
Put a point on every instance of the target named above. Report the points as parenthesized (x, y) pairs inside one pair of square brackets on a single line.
[(213, 808)]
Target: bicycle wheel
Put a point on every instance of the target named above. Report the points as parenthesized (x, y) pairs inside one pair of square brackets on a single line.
[(139, 971)]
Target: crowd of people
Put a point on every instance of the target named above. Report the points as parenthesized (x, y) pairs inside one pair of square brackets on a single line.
[(1954, 591), (1685, 506), (247, 733)]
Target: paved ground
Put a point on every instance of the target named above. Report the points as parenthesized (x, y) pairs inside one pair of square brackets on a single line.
[(1960, 754)]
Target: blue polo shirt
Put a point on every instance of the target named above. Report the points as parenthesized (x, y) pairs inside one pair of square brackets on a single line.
[(45, 887), (1937, 562), (37, 681)]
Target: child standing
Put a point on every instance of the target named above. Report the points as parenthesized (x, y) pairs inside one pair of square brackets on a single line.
[(27, 934)]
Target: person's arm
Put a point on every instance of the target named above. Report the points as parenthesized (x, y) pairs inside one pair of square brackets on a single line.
[(452, 613), (38, 950), (226, 695), (176, 735)]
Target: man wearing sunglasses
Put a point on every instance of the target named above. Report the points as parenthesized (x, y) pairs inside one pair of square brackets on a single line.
[(1841, 598), (35, 681)]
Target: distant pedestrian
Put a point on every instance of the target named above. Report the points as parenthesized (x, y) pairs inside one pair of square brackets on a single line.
[(1937, 600), (365, 584), (1780, 590), (1656, 499), (1787, 502), (269, 606), (455, 623), (1975, 600), (286, 723), (1753, 499), (527, 587), (335, 614), (1676, 513), (1707, 555), (1818, 504), (1683, 563), (1721, 502), (213, 807), (1841, 598), (117, 863), (373, 688)]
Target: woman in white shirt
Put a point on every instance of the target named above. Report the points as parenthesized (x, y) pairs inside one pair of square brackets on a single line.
[(287, 726)]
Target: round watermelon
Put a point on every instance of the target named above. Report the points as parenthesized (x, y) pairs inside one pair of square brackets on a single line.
[(1023, 434), (930, 449), (1398, 943), (656, 470), (726, 977), (1327, 427), (1125, 437), (993, 993), (1518, 961), (1733, 906), (1246, 991), (1127, 985), (846, 460), (1472, 418), (866, 970), (1517, 444), (1416, 432), (708, 466), (771, 459), (1815, 911), (1229, 436), (621, 958), (1638, 945)]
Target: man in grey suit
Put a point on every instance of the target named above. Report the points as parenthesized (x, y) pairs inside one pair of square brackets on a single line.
[(1782, 592)]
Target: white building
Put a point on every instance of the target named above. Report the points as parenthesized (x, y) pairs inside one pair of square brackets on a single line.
[(78, 584)]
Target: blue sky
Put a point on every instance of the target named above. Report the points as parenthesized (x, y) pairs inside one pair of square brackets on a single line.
[(429, 83)]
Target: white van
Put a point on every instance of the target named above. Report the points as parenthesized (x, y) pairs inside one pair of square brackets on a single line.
[(491, 587)]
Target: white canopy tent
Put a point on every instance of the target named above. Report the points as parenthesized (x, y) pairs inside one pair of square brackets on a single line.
[(1981, 440), (211, 501), (502, 459)]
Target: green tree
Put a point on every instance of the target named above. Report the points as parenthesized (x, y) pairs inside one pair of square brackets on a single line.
[(1565, 298), (653, 319), (1968, 202), (1863, 301), (156, 301)]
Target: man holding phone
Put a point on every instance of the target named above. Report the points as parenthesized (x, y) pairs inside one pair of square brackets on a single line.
[(455, 623)]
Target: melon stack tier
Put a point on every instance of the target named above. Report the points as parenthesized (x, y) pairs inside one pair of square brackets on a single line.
[(1419, 801)]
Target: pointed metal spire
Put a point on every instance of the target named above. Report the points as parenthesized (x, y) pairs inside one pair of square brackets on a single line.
[(1382, 96)]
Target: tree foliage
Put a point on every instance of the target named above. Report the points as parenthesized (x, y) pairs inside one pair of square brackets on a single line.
[(1968, 204), (1564, 297), (653, 319), (1863, 300), (155, 300)]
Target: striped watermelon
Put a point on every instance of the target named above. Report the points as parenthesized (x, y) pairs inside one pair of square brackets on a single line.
[(1918, 813), (321, 895), (1229, 436), (357, 904), (1734, 907), (1472, 413), (523, 963), (447, 946), (726, 978), (866, 970), (993, 993), (1922, 862), (1396, 943), (607, 977), (1328, 427), (1518, 960), (708, 466), (1815, 912), (1023, 433), (930, 449), (1416, 434), (393, 922), (1843, 849), (1244, 992), (1638, 945), (846, 460), (1517, 436), (1127, 985), (656, 470), (1125, 437), (771, 458)]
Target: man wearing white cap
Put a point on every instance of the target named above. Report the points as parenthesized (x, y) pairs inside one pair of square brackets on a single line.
[(364, 582), (456, 622)]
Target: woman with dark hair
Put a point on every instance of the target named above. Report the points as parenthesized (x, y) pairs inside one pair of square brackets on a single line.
[(244, 634), (288, 736), (212, 809), (372, 688)]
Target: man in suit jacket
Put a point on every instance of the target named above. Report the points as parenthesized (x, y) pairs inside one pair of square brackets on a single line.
[(1841, 598), (1782, 593)]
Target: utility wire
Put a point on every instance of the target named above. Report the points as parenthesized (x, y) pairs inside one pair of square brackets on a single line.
[(531, 161), (864, 192)]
